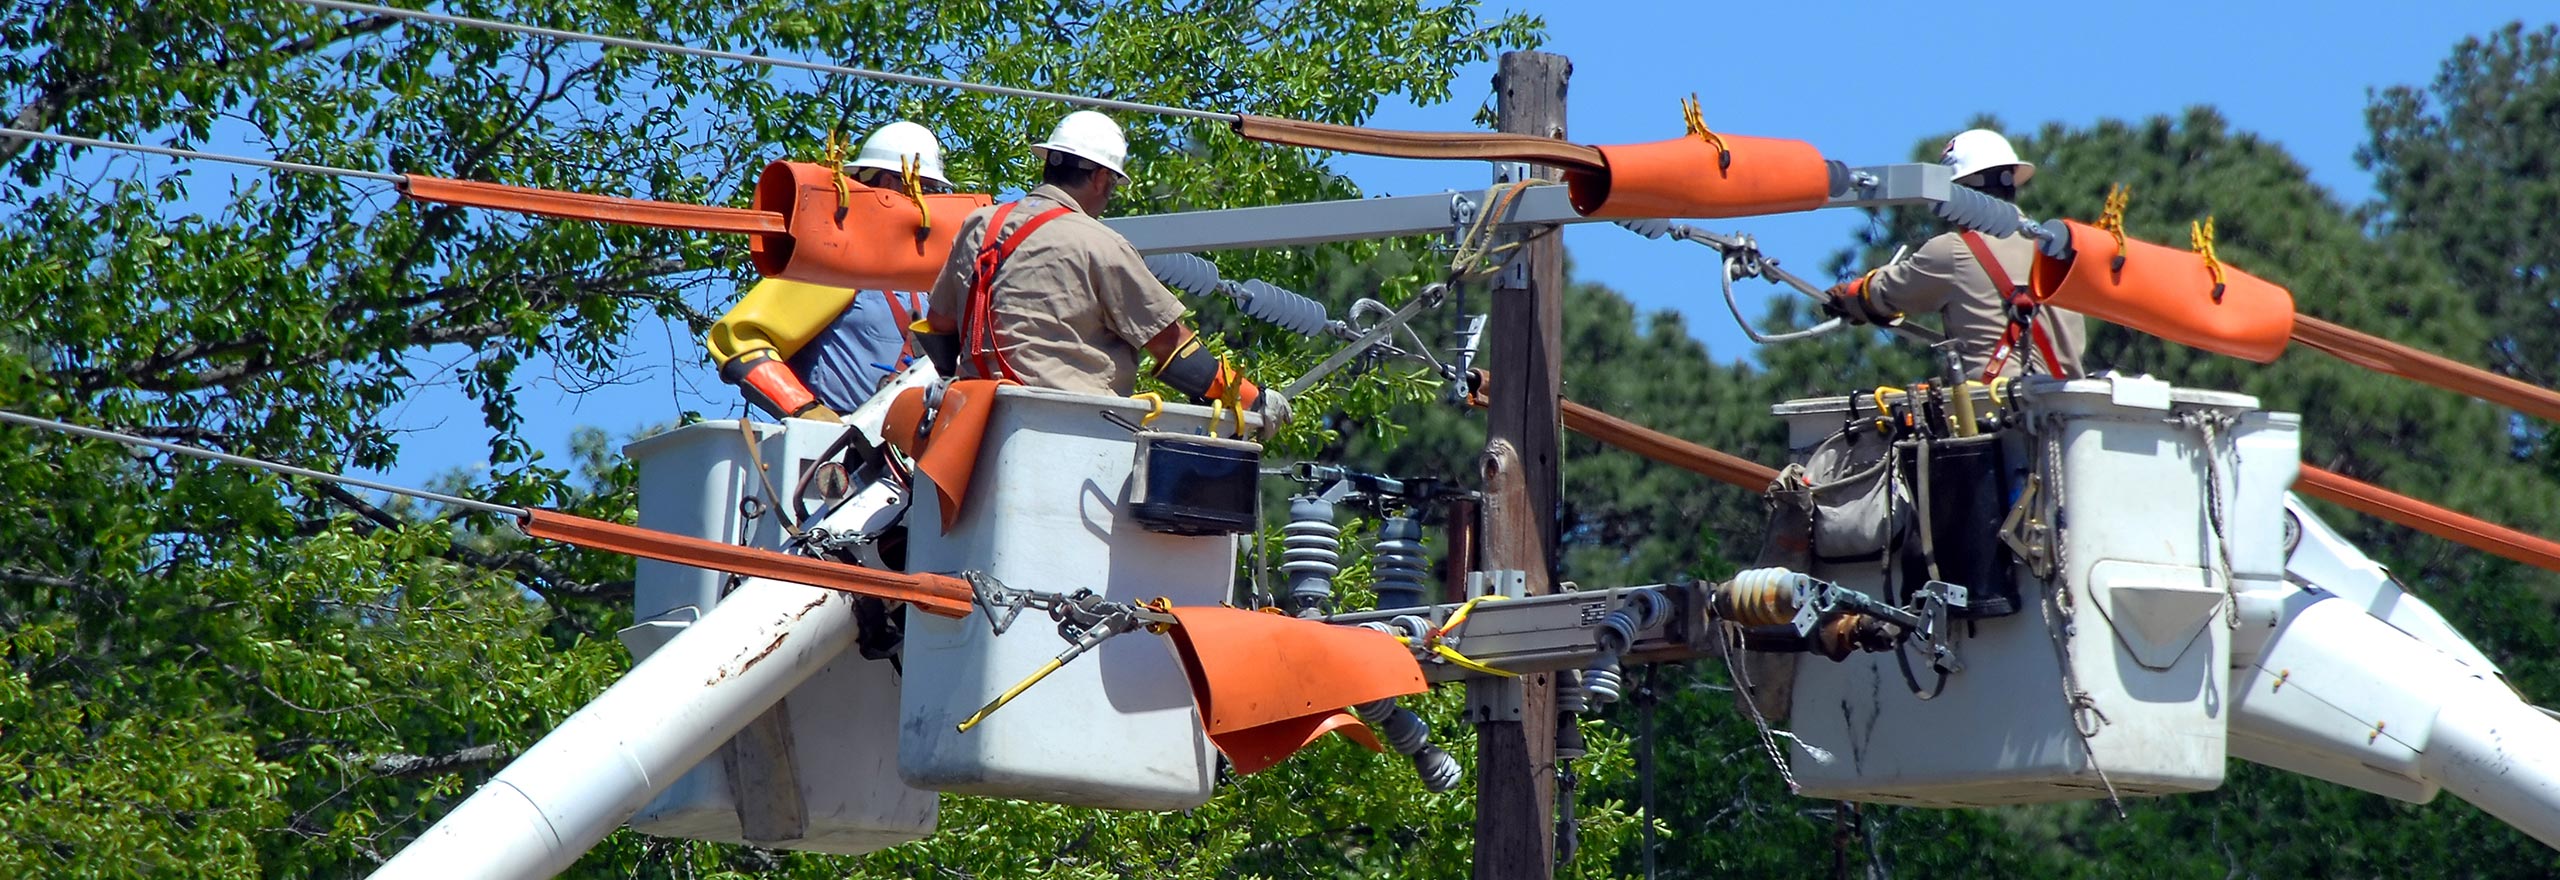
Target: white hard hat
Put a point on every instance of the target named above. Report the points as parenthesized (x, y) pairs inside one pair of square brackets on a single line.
[(1091, 136), (1980, 150), (901, 142)]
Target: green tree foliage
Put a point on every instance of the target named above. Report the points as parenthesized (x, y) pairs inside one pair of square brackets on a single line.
[(204, 671), (2469, 170)]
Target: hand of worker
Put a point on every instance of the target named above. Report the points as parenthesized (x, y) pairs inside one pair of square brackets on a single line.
[(1274, 409), (818, 412), (1848, 302)]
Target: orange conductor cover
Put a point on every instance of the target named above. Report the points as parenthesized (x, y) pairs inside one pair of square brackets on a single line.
[(2167, 293), (856, 236), (1689, 177)]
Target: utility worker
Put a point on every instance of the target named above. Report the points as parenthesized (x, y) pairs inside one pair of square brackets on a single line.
[(1976, 283), (811, 351), (1039, 292)]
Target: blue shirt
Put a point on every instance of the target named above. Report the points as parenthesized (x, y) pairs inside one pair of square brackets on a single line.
[(839, 365)]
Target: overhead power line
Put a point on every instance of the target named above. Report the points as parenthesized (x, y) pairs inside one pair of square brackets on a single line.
[(767, 60), (259, 463), (175, 152)]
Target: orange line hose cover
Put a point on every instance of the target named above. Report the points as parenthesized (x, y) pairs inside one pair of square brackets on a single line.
[(2167, 293), (933, 593), (861, 237), (1268, 685), (2469, 531), (587, 206), (2375, 353), (1682, 178)]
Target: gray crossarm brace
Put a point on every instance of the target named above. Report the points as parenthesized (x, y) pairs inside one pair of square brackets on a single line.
[(1554, 632), (1435, 214)]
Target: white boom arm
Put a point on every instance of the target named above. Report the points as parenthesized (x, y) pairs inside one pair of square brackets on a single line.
[(675, 708), (2342, 676)]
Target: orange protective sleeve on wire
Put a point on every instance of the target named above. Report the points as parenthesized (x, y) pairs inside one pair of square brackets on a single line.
[(2375, 353), (1650, 444), (2167, 293), (2468, 531), (2356, 495), (840, 233), (1691, 177), (585, 206), (934, 593), (1418, 144)]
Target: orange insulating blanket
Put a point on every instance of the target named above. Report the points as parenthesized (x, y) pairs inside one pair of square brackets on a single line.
[(948, 453), (2167, 293), (584, 206), (844, 234), (1268, 685), (1729, 176), (2375, 353), (2468, 531), (1692, 177), (934, 593)]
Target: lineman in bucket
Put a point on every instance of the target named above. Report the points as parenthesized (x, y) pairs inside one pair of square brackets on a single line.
[(811, 351), (1973, 280), (1039, 292)]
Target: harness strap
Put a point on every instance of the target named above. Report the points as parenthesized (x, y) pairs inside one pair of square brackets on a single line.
[(984, 350), (903, 314), (2022, 313)]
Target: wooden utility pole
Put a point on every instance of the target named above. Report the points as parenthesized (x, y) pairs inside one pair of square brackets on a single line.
[(1515, 753)]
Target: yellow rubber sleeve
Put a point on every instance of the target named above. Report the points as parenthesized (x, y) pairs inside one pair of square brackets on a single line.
[(777, 316)]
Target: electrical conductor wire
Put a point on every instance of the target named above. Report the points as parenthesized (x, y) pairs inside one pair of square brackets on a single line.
[(259, 463), (766, 60), (180, 153)]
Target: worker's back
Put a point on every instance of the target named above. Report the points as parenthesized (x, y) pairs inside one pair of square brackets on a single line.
[(1945, 277), (1072, 304)]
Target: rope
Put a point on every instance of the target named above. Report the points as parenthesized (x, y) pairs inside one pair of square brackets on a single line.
[(766, 60), (1730, 634), (1473, 258), (175, 152)]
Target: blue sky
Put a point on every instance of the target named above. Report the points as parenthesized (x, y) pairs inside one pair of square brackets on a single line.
[(1861, 81)]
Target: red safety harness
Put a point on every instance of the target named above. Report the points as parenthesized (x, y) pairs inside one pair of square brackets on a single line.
[(904, 313), (979, 318), (2022, 314)]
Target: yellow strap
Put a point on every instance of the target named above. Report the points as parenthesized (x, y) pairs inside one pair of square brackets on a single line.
[(1697, 122), (1458, 618), (1462, 661), (2111, 218), (1235, 396), (908, 166), (2200, 237)]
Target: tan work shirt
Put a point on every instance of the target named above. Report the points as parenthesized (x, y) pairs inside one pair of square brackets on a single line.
[(1074, 305), (1943, 277)]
